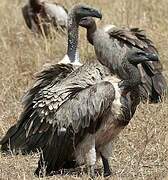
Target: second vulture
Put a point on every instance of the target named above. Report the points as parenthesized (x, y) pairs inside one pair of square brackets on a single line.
[(90, 108), (41, 16), (114, 42)]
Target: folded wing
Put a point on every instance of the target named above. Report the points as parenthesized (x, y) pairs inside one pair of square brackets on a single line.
[(153, 82)]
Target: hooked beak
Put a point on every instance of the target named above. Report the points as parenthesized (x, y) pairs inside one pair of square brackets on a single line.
[(152, 57), (96, 13), (142, 56)]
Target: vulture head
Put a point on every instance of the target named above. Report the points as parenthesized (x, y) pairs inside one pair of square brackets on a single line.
[(87, 22), (129, 65), (136, 56), (90, 24), (82, 10)]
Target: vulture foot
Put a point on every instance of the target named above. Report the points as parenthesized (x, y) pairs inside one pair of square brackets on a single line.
[(91, 171)]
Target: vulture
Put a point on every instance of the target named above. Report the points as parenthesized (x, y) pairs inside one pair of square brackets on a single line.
[(17, 137), (86, 111), (40, 16), (113, 42)]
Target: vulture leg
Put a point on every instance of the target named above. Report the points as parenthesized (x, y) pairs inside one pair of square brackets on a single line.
[(91, 161), (91, 171), (106, 166), (105, 154)]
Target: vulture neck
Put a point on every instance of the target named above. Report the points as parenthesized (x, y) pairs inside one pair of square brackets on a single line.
[(73, 26), (133, 78), (90, 32)]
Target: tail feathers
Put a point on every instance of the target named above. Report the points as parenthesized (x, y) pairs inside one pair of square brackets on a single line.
[(20, 143), (14, 138), (159, 84), (12, 130), (56, 154), (153, 88), (153, 85)]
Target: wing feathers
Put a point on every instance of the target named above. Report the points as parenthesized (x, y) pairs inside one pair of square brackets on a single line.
[(25, 10), (153, 82), (134, 36), (87, 105), (32, 120), (78, 115)]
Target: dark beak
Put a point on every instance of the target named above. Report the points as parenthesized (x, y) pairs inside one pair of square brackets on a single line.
[(96, 13), (152, 57), (141, 57)]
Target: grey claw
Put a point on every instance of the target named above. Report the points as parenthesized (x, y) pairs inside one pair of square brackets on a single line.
[(92, 172), (106, 174)]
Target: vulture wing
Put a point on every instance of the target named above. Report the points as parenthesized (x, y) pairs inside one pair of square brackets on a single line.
[(135, 37), (25, 12), (43, 102), (153, 83), (16, 135), (80, 115), (141, 35), (49, 103), (63, 7), (57, 13)]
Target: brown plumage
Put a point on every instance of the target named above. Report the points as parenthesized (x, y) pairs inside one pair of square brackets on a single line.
[(17, 139), (87, 110), (80, 115), (119, 41), (41, 16)]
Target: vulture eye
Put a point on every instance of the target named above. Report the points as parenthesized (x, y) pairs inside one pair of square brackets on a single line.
[(85, 8), (140, 53), (84, 19)]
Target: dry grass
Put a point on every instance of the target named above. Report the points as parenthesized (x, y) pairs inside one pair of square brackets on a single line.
[(141, 151)]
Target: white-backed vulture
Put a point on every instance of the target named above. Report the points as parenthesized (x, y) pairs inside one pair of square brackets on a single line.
[(86, 111), (41, 16), (16, 138), (113, 42)]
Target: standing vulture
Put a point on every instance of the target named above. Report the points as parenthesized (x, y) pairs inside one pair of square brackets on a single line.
[(115, 42), (17, 137), (88, 109), (40, 16)]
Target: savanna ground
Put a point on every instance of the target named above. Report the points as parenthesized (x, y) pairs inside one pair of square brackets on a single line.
[(141, 150)]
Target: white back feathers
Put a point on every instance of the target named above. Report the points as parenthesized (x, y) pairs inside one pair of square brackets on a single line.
[(108, 27)]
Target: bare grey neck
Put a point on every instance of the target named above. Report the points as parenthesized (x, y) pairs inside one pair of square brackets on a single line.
[(132, 78), (73, 25), (90, 32)]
